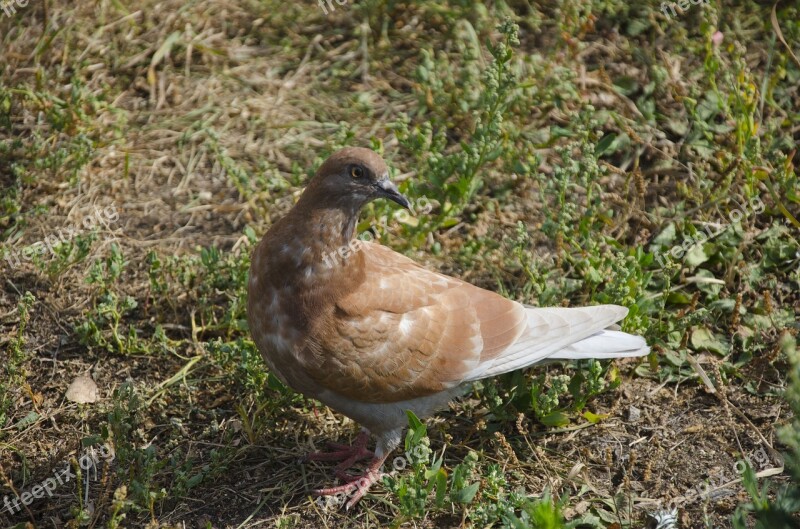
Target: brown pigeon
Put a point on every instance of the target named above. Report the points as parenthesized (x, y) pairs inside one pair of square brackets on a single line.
[(372, 334)]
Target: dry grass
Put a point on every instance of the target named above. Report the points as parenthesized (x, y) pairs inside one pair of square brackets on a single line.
[(206, 118)]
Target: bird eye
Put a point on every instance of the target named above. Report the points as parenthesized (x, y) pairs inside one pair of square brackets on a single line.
[(356, 172)]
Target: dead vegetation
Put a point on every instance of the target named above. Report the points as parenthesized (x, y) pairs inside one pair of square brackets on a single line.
[(200, 123)]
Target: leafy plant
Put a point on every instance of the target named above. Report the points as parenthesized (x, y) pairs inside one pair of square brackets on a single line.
[(772, 507), (65, 254), (542, 513), (137, 466), (425, 485), (13, 373), (102, 324), (481, 99), (425, 475)]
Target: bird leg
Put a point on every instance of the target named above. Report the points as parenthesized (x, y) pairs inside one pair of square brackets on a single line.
[(358, 485), (346, 455)]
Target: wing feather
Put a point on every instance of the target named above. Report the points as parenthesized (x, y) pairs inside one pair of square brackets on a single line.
[(407, 332)]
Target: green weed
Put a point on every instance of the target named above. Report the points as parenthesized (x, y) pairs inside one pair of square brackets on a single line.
[(479, 492), (770, 506), (102, 326), (481, 98), (14, 374), (137, 466)]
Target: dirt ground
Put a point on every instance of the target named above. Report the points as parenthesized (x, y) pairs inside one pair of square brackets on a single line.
[(172, 130)]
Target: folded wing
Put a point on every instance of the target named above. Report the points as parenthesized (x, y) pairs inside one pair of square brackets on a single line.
[(407, 332)]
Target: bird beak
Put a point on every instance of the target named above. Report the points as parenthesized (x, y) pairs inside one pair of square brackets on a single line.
[(387, 189)]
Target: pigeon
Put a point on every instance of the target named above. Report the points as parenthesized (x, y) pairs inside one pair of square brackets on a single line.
[(372, 334)]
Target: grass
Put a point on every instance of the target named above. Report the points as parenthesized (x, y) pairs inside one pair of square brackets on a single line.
[(561, 153)]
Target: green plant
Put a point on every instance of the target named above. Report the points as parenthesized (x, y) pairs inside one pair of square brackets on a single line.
[(462, 488), (265, 396), (102, 324), (586, 382), (425, 475), (215, 281), (137, 467), (481, 100), (66, 140), (542, 513), (12, 367), (772, 507), (65, 254), (425, 486)]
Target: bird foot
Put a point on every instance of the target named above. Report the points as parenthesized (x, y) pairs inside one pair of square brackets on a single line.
[(347, 455), (356, 486)]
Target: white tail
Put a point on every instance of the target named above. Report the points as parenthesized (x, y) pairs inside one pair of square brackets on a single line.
[(604, 344), (566, 334)]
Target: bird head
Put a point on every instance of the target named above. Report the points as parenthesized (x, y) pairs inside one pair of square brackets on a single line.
[(355, 176)]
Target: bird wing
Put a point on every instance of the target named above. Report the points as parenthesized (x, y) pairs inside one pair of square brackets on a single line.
[(408, 332)]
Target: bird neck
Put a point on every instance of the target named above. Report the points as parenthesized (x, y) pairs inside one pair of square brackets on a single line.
[(340, 227), (329, 222)]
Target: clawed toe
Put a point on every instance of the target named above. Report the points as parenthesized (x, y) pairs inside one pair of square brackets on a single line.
[(354, 490), (348, 455), (355, 486)]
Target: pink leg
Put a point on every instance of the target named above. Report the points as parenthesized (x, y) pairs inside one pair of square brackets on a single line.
[(346, 455), (357, 486)]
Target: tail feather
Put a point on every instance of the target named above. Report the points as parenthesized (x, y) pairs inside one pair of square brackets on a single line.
[(605, 344), (566, 334)]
